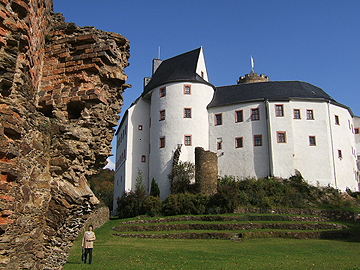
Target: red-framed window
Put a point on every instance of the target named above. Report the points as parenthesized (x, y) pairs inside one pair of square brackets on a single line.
[(255, 114), (187, 112), (239, 116), (239, 142), (162, 92), (281, 136), (161, 142), (279, 109), (257, 140), (187, 140), (218, 119), (162, 115), (187, 89)]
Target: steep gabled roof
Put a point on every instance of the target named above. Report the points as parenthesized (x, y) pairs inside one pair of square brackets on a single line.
[(179, 68), (277, 90)]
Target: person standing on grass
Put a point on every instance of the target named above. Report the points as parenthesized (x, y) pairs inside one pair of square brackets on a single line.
[(87, 243)]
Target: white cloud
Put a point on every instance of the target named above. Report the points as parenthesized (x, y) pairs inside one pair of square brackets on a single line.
[(110, 165)]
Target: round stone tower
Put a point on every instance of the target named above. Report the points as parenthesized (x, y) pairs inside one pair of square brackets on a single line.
[(252, 77)]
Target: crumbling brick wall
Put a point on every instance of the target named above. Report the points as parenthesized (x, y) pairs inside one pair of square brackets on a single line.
[(206, 171), (60, 94)]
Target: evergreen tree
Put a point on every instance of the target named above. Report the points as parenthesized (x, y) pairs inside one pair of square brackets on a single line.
[(154, 190)]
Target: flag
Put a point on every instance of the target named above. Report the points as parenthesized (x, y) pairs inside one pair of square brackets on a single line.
[(252, 63)]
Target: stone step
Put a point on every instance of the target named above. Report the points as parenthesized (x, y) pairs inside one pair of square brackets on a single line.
[(230, 226), (247, 235)]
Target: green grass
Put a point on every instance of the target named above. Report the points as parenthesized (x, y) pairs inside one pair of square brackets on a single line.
[(113, 252)]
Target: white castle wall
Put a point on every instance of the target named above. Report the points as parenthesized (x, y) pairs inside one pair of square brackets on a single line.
[(344, 140), (318, 164), (175, 127), (282, 154), (250, 160), (135, 145), (356, 120), (121, 147)]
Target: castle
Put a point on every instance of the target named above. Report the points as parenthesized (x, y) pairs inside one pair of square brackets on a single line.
[(257, 128)]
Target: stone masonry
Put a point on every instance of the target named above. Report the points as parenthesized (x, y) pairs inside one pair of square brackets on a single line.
[(206, 171), (60, 94)]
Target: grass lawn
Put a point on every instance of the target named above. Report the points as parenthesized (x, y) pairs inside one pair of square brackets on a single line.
[(113, 252)]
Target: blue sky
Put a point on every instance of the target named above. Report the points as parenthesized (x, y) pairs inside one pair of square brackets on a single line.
[(313, 41)]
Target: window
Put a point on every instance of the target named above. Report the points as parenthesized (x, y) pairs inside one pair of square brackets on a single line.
[(312, 141), (162, 142), (162, 115), (187, 89), (255, 114), (337, 122), (202, 74), (143, 158), (279, 110), (340, 154), (187, 112), (310, 114), (257, 140), (281, 136), (162, 92), (187, 140), (239, 142), (297, 114), (140, 127), (239, 116), (219, 144), (218, 119), (356, 130)]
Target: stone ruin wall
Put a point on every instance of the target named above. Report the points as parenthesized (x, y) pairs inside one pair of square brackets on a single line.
[(60, 94), (206, 171)]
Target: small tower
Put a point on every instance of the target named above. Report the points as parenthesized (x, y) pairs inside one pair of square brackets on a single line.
[(252, 77)]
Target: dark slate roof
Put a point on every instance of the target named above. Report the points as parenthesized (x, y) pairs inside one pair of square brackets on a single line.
[(179, 68), (276, 90)]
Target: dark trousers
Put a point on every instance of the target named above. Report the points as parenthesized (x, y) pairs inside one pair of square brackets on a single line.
[(88, 251)]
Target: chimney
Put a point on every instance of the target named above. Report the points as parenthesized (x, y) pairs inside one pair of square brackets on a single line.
[(146, 81), (156, 64)]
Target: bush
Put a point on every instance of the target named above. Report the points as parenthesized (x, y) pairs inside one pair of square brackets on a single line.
[(152, 205), (185, 204), (181, 176), (130, 204), (172, 205), (227, 198)]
